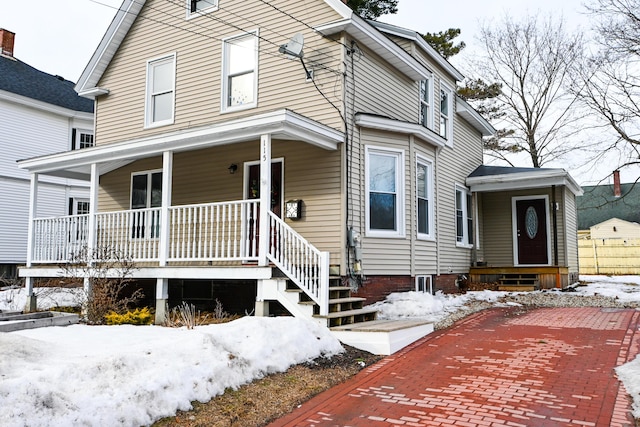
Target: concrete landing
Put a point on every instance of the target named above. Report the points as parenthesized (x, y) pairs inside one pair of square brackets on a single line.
[(17, 321), (382, 337)]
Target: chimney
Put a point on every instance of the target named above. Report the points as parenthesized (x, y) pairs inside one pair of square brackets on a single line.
[(616, 183), (6, 42)]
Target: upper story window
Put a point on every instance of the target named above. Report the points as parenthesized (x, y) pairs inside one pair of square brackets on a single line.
[(464, 217), (201, 6), (446, 111), (384, 170), (160, 98), (424, 198), (239, 72), (81, 139), (426, 103)]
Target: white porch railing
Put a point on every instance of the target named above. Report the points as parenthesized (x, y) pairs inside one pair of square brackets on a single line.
[(134, 233), (302, 262), (60, 238)]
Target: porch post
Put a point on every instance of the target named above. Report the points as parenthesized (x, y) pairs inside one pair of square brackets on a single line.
[(92, 237), (167, 180), (31, 304), (162, 297), (265, 198)]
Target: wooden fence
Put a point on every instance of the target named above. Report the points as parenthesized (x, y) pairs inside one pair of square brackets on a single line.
[(609, 256)]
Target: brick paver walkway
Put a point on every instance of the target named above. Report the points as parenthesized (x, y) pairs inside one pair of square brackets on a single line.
[(501, 367)]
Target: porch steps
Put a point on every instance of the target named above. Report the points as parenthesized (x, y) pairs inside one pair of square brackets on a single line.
[(519, 282), (17, 321), (383, 337)]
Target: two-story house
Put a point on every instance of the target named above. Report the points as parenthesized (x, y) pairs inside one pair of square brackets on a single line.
[(245, 148), (41, 114)]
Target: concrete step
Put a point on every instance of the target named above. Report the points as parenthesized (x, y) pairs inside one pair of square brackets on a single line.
[(37, 320), (383, 337)]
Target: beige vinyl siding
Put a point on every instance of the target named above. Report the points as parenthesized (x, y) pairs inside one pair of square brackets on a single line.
[(310, 173), (570, 216), (161, 29), (498, 229), (452, 167), (424, 251), (560, 223)]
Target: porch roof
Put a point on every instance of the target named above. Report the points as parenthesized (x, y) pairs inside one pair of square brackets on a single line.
[(281, 124), (500, 178)]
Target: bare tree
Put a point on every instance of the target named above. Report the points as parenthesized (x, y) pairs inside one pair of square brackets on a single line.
[(529, 60), (608, 80)]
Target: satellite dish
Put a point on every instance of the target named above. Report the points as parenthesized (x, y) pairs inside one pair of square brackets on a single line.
[(293, 49)]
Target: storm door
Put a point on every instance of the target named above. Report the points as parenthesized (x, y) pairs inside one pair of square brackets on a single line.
[(252, 184), (531, 236)]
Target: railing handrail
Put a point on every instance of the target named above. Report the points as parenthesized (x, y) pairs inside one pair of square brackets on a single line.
[(230, 202), (321, 292)]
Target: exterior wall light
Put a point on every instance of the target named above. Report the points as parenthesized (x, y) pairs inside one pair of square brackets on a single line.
[(293, 209), (233, 168)]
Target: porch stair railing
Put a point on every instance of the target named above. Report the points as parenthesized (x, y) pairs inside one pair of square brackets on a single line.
[(303, 263)]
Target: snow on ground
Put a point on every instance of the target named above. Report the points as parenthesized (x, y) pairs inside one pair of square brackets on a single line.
[(133, 375)]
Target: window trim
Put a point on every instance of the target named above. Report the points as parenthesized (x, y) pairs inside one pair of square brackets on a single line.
[(449, 124), (195, 13), (466, 233), (149, 174), (224, 108), (73, 205), (428, 283), (148, 110), (77, 136), (428, 102), (421, 160), (400, 192)]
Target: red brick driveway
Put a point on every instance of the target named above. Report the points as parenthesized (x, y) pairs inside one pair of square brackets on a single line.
[(501, 367)]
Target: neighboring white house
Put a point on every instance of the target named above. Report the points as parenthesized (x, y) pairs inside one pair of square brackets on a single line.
[(41, 114), (615, 228)]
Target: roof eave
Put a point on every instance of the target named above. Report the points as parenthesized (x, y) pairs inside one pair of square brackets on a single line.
[(524, 180), (474, 118), (391, 125)]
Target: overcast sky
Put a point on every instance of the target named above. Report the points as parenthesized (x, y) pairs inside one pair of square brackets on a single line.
[(59, 36)]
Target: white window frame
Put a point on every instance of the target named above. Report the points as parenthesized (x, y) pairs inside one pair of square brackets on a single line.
[(468, 223), (225, 107), (448, 125), (422, 161), (78, 138), (398, 155), (149, 174), (428, 103), (196, 13), (74, 205), (148, 105), (426, 285)]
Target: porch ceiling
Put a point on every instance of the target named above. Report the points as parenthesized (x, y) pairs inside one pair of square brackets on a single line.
[(280, 124), (498, 178)]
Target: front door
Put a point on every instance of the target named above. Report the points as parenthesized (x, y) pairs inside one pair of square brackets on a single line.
[(253, 192), (531, 232)]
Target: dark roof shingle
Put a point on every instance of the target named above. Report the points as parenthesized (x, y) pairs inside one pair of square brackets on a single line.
[(599, 204)]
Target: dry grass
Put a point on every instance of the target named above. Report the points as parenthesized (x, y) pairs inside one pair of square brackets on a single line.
[(265, 400)]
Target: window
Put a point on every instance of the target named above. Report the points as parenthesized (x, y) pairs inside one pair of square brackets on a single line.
[(426, 102), (423, 284), (78, 206), (146, 192), (464, 217), (159, 108), (81, 139), (201, 6), (424, 196), (240, 72), (446, 108), (385, 195)]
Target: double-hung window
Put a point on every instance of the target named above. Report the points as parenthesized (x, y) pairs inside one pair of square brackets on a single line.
[(81, 139), (201, 6), (239, 72), (160, 98), (426, 103), (385, 192), (146, 192), (424, 198), (446, 111), (464, 217)]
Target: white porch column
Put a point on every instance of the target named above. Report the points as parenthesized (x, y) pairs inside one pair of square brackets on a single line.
[(265, 198), (162, 297), (93, 227), (167, 180), (31, 304)]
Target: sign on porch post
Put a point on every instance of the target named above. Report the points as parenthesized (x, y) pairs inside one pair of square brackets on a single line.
[(265, 198)]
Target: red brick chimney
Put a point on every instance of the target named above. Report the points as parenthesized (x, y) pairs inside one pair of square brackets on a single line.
[(6, 42), (616, 183)]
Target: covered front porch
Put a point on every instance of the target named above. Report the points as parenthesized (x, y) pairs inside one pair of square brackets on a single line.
[(241, 238)]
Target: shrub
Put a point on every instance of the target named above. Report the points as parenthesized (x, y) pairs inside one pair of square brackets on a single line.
[(137, 317)]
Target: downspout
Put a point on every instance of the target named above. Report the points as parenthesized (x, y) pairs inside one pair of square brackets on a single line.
[(435, 204), (554, 209)]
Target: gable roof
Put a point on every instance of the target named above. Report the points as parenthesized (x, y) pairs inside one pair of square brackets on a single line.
[(599, 203), (350, 22), (19, 78), (502, 178)]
